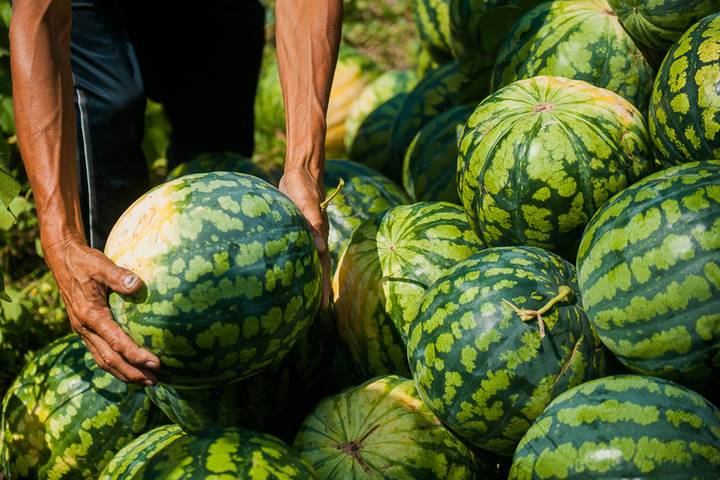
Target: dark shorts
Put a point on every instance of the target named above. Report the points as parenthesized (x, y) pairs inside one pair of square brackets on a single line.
[(199, 59)]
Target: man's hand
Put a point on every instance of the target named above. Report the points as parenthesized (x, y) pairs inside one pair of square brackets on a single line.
[(84, 275), (306, 192)]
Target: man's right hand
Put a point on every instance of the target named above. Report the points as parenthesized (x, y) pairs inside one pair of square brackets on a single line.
[(84, 276)]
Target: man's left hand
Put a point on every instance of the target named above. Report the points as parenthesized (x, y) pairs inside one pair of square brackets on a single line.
[(307, 193)]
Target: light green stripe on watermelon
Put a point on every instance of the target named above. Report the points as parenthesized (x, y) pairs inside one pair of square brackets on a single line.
[(220, 454), (371, 145), (432, 18), (232, 276), (211, 162), (496, 338), (442, 89), (366, 193), (625, 426), (649, 271), (579, 39), (390, 262), (64, 418), (685, 107), (540, 156), (430, 164), (382, 429), (275, 401), (658, 24), (477, 27), (379, 91)]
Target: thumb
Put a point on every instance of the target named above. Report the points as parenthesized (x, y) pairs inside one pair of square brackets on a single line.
[(315, 219), (120, 280)]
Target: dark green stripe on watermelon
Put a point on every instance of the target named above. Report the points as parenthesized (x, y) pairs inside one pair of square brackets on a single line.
[(685, 107), (496, 339), (578, 39), (382, 429), (649, 272), (231, 272), (64, 417), (229, 453), (430, 164), (432, 18), (625, 426)]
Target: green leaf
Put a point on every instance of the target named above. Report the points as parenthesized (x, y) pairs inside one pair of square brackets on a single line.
[(9, 187), (3, 296)]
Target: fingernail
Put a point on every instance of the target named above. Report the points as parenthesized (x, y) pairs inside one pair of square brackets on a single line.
[(149, 383), (320, 244), (152, 364), (129, 281)]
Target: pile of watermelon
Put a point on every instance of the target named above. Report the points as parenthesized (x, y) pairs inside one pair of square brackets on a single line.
[(525, 263)]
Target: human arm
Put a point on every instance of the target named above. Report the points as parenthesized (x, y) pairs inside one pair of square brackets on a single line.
[(308, 36), (45, 123)]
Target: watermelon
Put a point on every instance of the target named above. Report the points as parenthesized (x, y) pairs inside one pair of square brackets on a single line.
[(496, 338), (64, 417), (353, 73), (366, 193), (649, 272), (371, 145), (230, 453), (390, 262), (381, 429), (540, 156), (660, 23), (274, 401), (210, 162), (685, 107), (423, 60), (383, 88), (625, 426), (431, 160), (432, 18), (231, 272), (442, 89), (579, 39), (477, 27)]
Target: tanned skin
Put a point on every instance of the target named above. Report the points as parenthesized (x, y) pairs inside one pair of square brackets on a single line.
[(308, 34)]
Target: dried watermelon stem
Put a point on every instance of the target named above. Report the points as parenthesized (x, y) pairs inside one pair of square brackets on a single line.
[(329, 199), (564, 292)]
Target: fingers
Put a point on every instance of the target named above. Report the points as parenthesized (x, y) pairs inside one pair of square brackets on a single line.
[(105, 327), (111, 362), (326, 288), (119, 279)]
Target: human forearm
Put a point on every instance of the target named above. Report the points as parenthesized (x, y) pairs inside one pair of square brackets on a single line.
[(308, 35), (44, 113)]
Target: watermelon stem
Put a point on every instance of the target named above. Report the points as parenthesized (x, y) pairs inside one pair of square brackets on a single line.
[(326, 203), (564, 292)]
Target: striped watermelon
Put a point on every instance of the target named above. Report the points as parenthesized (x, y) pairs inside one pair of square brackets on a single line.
[(432, 18), (371, 145), (624, 426), (210, 162), (649, 272), (540, 156), (232, 276), (64, 417), (660, 23), (366, 193), (381, 429), (390, 261), (496, 339), (685, 107), (579, 39), (478, 26), (230, 453), (440, 90), (431, 160), (423, 61), (383, 88), (275, 401), (353, 73)]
